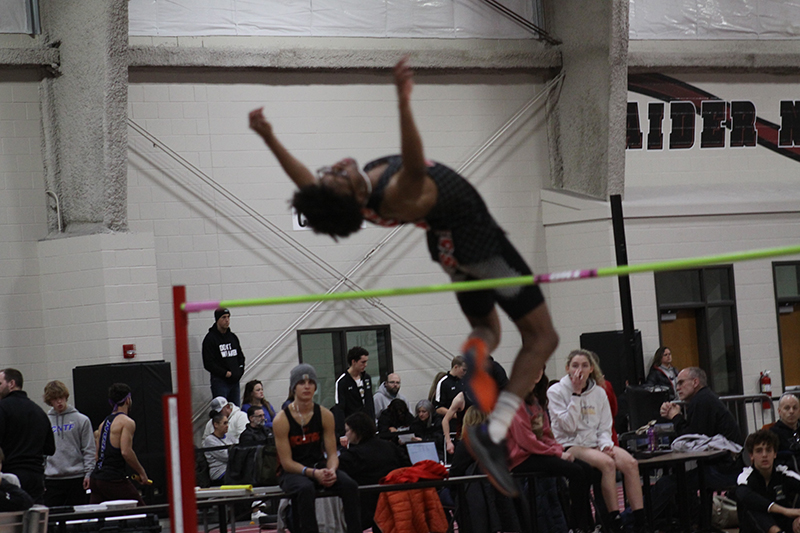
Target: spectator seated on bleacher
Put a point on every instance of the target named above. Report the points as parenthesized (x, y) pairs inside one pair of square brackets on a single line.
[(254, 395), (705, 415), (766, 492), (256, 432), (12, 497), (788, 431), (306, 442), (533, 448), (485, 508), (393, 419), (237, 420), (427, 425), (582, 424), (367, 459), (217, 459)]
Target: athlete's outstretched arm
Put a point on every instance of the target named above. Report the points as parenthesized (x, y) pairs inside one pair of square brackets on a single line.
[(414, 169), (297, 171)]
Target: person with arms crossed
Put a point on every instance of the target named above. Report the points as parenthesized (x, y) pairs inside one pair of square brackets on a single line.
[(462, 237)]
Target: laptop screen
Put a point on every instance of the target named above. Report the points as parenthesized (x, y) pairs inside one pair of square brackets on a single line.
[(419, 451)]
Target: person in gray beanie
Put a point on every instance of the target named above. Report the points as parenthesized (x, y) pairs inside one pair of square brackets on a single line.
[(306, 443)]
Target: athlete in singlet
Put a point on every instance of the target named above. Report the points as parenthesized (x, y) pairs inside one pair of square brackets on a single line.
[(462, 236), (306, 443), (114, 450)]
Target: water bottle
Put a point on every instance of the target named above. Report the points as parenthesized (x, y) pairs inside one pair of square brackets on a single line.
[(651, 439)]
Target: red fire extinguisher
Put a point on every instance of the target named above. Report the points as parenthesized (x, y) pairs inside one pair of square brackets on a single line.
[(765, 385)]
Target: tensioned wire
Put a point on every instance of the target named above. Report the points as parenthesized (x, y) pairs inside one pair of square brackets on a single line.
[(569, 275)]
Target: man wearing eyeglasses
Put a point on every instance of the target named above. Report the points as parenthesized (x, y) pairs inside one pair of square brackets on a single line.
[(705, 413), (256, 432), (388, 391)]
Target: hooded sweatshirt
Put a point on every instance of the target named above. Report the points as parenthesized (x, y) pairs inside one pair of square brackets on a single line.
[(223, 353), (383, 398), (530, 434), (580, 420), (75, 447)]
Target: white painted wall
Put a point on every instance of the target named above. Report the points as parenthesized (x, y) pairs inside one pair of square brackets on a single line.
[(685, 203), (22, 223), (206, 242)]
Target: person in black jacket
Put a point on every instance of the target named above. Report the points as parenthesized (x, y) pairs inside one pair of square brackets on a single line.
[(788, 430), (427, 426), (393, 419), (25, 434), (256, 432), (367, 460), (765, 492), (12, 497), (354, 387), (223, 358), (662, 373), (705, 413)]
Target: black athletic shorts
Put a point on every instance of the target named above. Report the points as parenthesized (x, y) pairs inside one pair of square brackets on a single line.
[(515, 301)]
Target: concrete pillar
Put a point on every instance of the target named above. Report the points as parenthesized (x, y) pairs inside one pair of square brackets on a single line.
[(83, 113), (587, 123)]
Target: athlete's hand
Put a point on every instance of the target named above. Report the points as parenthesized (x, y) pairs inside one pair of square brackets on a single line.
[(259, 123), (403, 79)]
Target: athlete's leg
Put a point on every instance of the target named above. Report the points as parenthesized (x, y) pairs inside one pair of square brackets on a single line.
[(486, 328), (539, 341)]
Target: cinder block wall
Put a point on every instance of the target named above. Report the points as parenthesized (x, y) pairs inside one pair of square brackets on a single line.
[(207, 242)]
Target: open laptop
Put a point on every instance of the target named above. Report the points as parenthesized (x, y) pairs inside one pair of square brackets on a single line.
[(420, 451)]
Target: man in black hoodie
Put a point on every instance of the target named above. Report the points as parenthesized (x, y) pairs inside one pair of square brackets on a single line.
[(25, 434), (223, 358)]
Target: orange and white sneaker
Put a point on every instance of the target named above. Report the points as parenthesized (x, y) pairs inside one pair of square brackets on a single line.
[(482, 387)]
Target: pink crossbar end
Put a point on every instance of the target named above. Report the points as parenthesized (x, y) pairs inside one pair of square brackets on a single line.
[(196, 307), (565, 276)]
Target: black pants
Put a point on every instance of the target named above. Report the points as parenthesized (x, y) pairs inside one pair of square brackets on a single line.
[(59, 492), (578, 478), (32, 483), (304, 490), (757, 522)]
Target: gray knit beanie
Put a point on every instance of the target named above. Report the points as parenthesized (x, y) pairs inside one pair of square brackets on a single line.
[(301, 372)]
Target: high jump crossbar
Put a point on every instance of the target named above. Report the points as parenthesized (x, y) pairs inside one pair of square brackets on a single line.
[(485, 284), (178, 407)]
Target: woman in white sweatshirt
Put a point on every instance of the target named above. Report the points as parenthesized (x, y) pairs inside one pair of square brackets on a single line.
[(581, 420)]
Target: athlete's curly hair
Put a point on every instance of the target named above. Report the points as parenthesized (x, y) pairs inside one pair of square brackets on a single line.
[(327, 212)]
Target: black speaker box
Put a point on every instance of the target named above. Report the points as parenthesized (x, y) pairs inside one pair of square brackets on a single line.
[(148, 381), (610, 348)]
